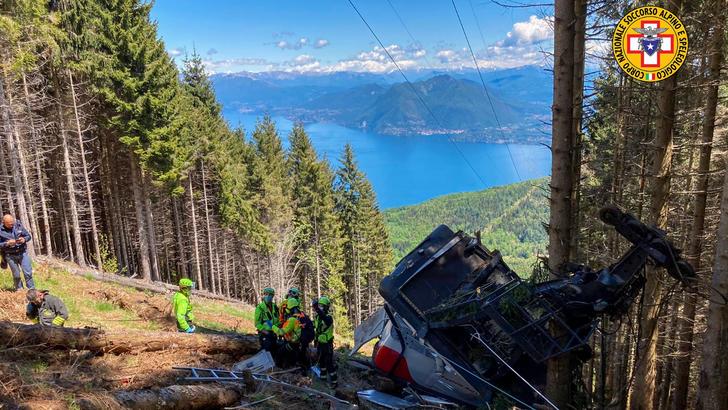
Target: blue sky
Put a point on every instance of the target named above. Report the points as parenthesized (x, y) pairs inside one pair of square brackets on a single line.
[(324, 36)]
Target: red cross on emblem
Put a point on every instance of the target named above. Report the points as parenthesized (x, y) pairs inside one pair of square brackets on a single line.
[(665, 45)]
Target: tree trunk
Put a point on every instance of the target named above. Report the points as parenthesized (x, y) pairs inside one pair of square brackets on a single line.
[(15, 165), (37, 244), (643, 393), (713, 377), (94, 340), (86, 178), (686, 323), (558, 377), (149, 227), (140, 218), (181, 254), (577, 108), (71, 189), (179, 397), (213, 273), (196, 243)]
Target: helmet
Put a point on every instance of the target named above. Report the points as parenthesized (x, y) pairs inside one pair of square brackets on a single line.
[(269, 291), (324, 301), (294, 293), (186, 283), (292, 303)]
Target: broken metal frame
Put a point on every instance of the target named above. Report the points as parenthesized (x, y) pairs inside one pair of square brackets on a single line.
[(525, 324)]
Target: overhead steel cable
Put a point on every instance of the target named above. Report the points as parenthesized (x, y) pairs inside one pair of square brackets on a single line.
[(414, 90), (409, 33), (487, 94)]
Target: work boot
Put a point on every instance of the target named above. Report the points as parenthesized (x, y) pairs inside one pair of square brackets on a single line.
[(333, 380)]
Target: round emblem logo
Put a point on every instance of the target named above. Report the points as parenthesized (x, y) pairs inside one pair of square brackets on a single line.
[(650, 44)]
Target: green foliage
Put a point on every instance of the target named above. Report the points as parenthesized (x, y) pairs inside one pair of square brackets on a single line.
[(269, 182), (108, 259), (367, 252), (510, 219)]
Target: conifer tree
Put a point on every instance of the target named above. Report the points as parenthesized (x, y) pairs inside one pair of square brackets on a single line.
[(366, 245), (316, 224)]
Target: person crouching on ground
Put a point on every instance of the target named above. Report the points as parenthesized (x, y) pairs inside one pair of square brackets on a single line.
[(182, 308), (324, 325), (45, 309), (291, 353), (266, 316)]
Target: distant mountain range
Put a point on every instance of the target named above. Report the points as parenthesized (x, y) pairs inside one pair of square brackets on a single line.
[(383, 103)]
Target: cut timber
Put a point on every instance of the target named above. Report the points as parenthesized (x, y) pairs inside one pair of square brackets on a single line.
[(94, 340), (176, 397)]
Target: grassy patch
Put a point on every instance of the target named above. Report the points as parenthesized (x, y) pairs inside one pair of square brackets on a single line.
[(104, 306), (224, 309)]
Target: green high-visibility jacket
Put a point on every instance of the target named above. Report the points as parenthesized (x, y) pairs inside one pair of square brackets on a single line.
[(264, 314), (182, 309), (324, 327)]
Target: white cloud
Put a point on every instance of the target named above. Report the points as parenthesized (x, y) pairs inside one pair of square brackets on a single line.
[(419, 53), (533, 31), (447, 55), (237, 64), (211, 52), (176, 52), (377, 61), (321, 43), (303, 63), (292, 45)]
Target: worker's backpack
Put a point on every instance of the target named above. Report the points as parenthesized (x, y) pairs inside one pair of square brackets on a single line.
[(307, 330)]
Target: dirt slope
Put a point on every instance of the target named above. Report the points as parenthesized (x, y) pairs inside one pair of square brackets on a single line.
[(37, 378)]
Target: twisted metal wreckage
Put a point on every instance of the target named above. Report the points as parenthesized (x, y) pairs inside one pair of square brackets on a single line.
[(458, 324)]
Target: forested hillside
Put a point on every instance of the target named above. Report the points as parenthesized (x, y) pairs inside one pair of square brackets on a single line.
[(659, 151), (511, 219), (113, 158)]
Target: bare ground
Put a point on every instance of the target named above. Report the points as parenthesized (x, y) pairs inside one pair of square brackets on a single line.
[(32, 377)]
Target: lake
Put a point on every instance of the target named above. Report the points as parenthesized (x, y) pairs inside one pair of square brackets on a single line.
[(410, 170)]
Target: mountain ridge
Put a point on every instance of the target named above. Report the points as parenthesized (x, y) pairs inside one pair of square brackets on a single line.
[(381, 103)]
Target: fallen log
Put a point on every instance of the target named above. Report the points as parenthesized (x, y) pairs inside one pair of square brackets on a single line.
[(99, 341), (209, 396)]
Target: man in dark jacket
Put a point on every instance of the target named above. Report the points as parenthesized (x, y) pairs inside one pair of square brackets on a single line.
[(14, 246), (45, 309)]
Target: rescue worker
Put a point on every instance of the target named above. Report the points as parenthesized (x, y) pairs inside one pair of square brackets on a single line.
[(182, 308), (45, 309), (291, 352), (292, 293), (266, 316), (324, 325), (14, 240)]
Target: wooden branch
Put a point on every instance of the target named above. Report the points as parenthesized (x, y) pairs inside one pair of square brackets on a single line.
[(207, 396), (95, 340)]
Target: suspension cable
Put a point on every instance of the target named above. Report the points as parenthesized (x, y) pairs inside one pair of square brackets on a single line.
[(487, 94), (417, 94)]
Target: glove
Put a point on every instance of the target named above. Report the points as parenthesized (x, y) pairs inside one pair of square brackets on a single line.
[(191, 329), (58, 321)]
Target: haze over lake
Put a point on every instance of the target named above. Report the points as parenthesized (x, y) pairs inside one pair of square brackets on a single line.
[(406, 170)]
